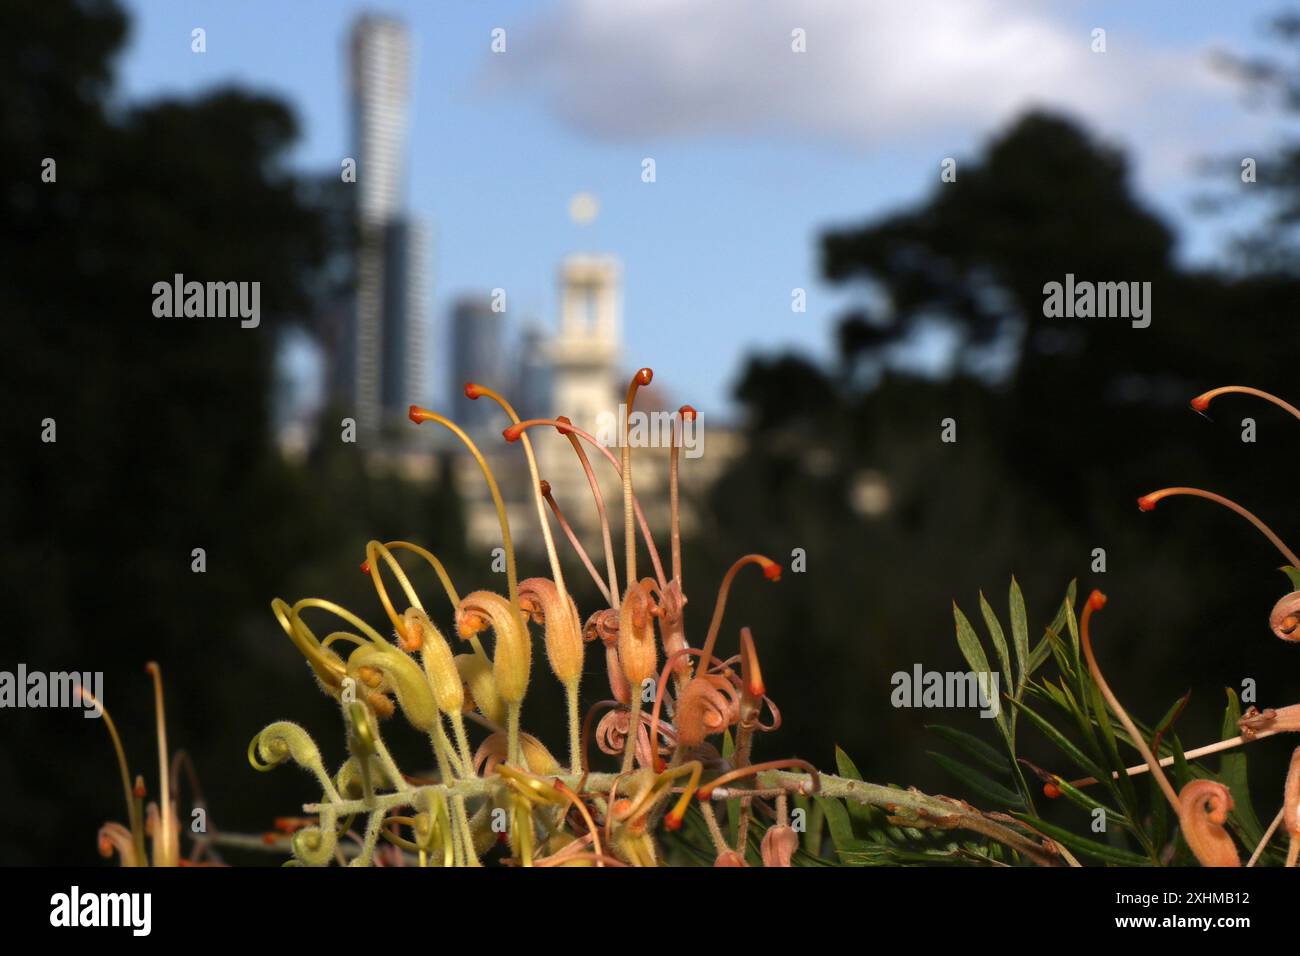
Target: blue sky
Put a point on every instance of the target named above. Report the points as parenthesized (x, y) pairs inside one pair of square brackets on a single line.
[(757, 149)]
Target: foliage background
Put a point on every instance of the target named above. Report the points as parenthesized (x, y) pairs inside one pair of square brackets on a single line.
[(164, 440)]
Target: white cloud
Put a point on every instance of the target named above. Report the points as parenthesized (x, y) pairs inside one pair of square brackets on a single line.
[(874, 70)]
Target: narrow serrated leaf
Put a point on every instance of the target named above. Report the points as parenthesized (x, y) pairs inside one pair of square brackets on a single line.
[(847, 769), (982, 786), (1063, 743), (999, 640), (837, 821), (1232, 773), (973, 651), (1020, 633), (1085, 847), (973, 746)]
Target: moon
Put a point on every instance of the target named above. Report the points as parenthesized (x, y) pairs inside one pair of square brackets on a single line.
[(583, 208)]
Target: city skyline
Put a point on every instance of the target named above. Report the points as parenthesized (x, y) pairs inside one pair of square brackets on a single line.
[(493, 171)]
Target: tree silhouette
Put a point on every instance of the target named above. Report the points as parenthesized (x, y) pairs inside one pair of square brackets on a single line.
[(163, 425), (1060, 422)]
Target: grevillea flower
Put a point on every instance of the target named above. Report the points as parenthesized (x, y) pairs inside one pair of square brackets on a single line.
[(1285, 617), (157, 823), (779, 844), (512, 652), (667, 757), (1284, 622), (1203, 805)]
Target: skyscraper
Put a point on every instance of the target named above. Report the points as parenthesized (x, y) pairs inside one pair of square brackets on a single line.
[(383, 348), (381, 61), (478, 354), (406, 310)]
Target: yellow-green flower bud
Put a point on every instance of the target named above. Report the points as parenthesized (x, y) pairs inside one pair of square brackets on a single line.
[(512, 653), (439, 665), (476, 673), (540, 600)]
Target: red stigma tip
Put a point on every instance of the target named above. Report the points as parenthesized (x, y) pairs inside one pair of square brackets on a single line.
[(473, 390), (1096, 600), (1146, 503), (1200, 403), (757, 691), (660, 766), (365, 567), (138, 790), (772, 571), (512, 433), (545, 487), (705, 794), (672, 821), (1051, 791), (269, 839), (688, 413), (414, 414), (645, 376)]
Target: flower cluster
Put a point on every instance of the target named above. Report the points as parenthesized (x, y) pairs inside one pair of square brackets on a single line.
[(668, 709), (1202, 806)]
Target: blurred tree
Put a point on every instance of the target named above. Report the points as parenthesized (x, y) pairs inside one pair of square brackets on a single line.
[(164, 440), (1060, 424)]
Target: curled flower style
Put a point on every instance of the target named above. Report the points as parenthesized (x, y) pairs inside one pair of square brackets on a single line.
[(1285, 617), (1203, 808), (504, 786), (1203, 805)]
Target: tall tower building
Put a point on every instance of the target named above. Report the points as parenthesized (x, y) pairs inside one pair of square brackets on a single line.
[(533, 369), (406, 310), (478, 354), (384, 345), (381, 62)]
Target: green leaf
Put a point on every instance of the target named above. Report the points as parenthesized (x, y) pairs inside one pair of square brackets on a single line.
[(973, 746), (1084, 847), (1062, 743), (1294, 575), (837, 821), (1232, 773), (985, 788), (1039, 655), (973, 651), (816, 816), (1111, 748), (1072, 625), (1020, 632), (846, 768), (864, 853), (999, 641), (1081, 799), (1050, 641)]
